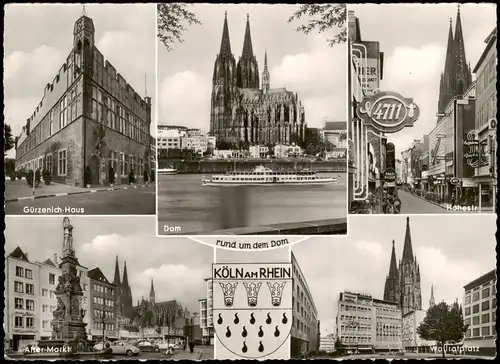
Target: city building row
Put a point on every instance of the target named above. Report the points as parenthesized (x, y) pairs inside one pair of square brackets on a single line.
[(456, 161), (174, 138), (458, 156), (90, 121), (30, 304), (369, 325)]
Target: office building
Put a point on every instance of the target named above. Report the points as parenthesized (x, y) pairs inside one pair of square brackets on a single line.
[(479, 308), (327, 343), (305, 327), (368, 325), (206, 315), (103, 295)]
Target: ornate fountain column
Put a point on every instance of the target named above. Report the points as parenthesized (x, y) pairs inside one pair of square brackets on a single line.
[(68, 327)]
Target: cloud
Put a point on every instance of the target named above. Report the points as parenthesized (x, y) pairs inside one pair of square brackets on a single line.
[(370, 248), (414, 67), (130, 54), (171, 281), (185, 100), (26, 73), (318, 76), (439, 270), (102, 244)]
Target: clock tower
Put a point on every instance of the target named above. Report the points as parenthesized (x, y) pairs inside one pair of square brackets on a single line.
[(83, 31), (83, 44)]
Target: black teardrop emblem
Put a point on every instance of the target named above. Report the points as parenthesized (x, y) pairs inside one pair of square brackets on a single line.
[(228, 332), (269, 319), (285, 319), (236, 319), (244, 333), (252, 319), (244, 348), (261, 333), (276, 332), (261, 347), (220, 320)]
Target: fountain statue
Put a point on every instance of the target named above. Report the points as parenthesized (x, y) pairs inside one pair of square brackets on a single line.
[(68, 329)]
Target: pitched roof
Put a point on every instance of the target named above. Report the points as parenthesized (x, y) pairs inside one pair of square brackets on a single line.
[(98, 275), (49, 262), (19, 254)]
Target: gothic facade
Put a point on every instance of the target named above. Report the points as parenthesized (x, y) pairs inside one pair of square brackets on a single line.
[(242, 110), (457, 75), (402, 284), (124, 294)]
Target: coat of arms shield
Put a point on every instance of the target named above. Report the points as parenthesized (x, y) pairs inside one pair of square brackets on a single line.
[(252, 308)]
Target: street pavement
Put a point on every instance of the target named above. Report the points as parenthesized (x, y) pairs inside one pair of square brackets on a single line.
[(405, 356), (411, 204), (200, 353), (132, 201)]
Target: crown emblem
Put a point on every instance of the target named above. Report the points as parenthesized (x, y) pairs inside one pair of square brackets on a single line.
[(276, 289), (228, 290), (252, 292)]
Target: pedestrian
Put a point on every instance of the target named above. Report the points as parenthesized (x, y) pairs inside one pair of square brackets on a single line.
[(191, 346)]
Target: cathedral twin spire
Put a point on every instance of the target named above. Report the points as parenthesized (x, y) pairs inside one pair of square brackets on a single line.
[(247, 67), (457, 75)]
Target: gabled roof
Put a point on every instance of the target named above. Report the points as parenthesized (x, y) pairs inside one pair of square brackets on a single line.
[(49, 262), (489, 43), (97, 275), (19, 254)]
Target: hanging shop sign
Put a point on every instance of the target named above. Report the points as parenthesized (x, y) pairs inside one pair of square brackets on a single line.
[(475, 156), (493, 123), (388, 112), (389, 175), (455, 181)]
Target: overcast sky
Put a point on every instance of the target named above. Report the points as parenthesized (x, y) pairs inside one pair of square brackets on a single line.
[(303, 63), (39, 37), (178, 266), (414, 39), (452, 250)]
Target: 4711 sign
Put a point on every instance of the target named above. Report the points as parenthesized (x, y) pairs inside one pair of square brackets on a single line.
[(388, 112)]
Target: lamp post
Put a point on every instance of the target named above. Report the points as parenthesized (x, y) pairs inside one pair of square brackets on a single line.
[(103, 322)]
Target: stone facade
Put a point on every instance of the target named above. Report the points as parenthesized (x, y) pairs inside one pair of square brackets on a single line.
[(88, 117), (402, 284), (241, 110)]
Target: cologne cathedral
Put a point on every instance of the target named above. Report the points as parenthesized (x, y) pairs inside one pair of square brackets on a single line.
[(242, 110), (402, 284), (457, 76)]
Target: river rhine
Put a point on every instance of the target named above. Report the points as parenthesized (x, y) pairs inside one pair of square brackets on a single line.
[(185, 206)]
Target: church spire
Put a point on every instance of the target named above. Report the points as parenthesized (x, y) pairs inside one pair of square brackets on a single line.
[(125, 275), (463, 76), (393, 268), (432, 302), (265, 75), (407, 249), (247, 42), (116, 279), (225, 45), (152, 293)]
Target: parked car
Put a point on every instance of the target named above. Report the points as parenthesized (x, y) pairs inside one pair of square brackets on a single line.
[(147, 345), (165, 344), (120, 348)]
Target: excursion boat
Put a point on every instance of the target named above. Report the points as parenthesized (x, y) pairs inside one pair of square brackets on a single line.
[(266, 176), (166, 171)]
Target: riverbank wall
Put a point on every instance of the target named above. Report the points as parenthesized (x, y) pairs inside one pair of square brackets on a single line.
[(223, 166)]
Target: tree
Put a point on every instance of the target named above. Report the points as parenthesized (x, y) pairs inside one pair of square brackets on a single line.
[(323, 17), (171, 17), (8, 141), (443, 324)]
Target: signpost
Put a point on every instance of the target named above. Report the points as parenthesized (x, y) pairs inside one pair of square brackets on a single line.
[(388, 112)]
